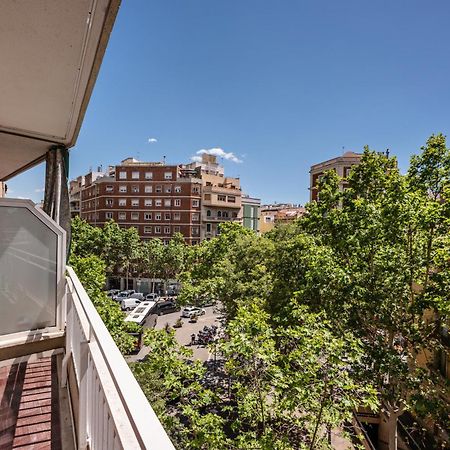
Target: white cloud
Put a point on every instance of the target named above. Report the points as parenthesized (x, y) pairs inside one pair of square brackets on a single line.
[(152, 140), (196, 158), (230, 156), (39, 190)]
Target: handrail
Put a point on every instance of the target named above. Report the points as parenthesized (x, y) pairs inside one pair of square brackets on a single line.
[(358, 426), (148, 430)]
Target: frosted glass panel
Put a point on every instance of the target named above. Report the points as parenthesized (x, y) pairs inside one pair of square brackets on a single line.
[(28, 252)]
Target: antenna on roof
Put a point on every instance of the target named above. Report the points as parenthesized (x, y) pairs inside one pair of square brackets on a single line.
[(387, 153), (164, 159)]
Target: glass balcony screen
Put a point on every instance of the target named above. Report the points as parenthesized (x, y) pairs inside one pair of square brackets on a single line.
[(28, 277)]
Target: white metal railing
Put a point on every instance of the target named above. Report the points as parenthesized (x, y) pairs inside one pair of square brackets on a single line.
[(113, 411)]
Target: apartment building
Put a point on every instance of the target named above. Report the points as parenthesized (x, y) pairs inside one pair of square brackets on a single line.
[(75, 187), (341, 165), (250, 212), (158, 200), (279, 213), (221, 195)]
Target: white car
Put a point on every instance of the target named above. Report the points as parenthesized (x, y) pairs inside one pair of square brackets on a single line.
[(128, 304), (190, 311)]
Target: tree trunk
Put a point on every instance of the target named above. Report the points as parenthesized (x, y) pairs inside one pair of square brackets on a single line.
[(392, 432)]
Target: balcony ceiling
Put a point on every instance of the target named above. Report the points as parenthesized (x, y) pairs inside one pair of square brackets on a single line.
[(50, 55)]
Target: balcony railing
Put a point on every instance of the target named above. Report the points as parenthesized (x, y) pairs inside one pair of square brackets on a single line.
[(109, 409)]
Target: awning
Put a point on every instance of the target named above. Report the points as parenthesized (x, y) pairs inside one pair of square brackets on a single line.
[(50, 55)]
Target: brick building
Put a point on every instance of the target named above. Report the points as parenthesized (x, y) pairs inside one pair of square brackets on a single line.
[(158, 200), (342, 165)]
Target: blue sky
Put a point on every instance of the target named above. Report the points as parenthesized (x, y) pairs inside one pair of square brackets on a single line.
[(281, 84)]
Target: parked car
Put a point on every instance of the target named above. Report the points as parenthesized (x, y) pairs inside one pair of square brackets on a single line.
[(112, 292), (138, 295), (152, 296), (123, 294), (127, 304), (166, 307), (190, 311)]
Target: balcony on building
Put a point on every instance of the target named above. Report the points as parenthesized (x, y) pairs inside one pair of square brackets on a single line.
[(63, 381)]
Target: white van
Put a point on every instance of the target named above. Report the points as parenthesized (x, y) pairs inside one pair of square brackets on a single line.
[(127, 304)]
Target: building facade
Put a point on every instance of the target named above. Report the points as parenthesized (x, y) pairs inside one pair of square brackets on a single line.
[(279, 213), (341, 165), (2, 189), (158, 200), (250, 213)]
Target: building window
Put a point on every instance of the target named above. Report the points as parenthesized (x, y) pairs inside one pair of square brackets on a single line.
[(148, 230), (122, 216), (158, 189), (267, 219), (166, 230), (166, 241), (149, 175), (195, 190), (221, 198), (122, 175), (122, 188), (195, 217), (167, 175), (148, 202), (194, 231), (109, 188), (134, 216), (157, 230), (135, 175), (176, 216), (109, 202), (176, 229), (122, 202), (347, 171), (195, 242), (231, 199), (225, 215), (158, 202), (177, 202), (219, 213), (177, 189), (195, 203), (167, 202), (158, 216), (134, 202), (135, 189), (167, 216), (147, 216), (208, 228), (148, 189), (207, 196), (208, 213), (109, 215), (168, 189)]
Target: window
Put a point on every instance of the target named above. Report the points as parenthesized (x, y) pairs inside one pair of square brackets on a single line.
[(167, 202), (267, 219), (134, 216), (208, 213), (149, 175), (135, 188), (158, 202), (166, 230), (347, 171), (195, 231), (176, 229), (148, 202), (225, 214), (147, 216), (123, 175), (195, 217), (231, 199), (195, 203), (109, 215), (221, 198), (109, 188), (219, 213), (195, 241), (148, 189), (207, 196), (208, 228), (176, 216), (122, 202), (122, 216), (158, 230), (168, 189), (148, 230), (158, 189), (122, 188), (166, 241), (109, 202), (177, 189), (134, 202), (167, 216), (177, 202), (158, 216), (195, 190), (135, 175), (167, 175)]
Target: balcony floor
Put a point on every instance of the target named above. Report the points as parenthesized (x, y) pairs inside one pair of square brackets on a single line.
[(30, 406)]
